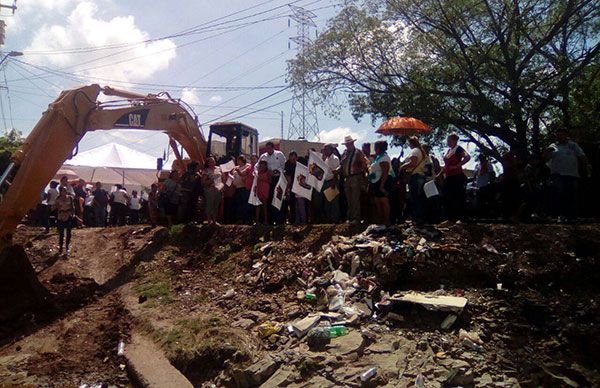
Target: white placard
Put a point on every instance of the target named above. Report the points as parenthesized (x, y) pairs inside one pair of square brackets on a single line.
[(279, 193), (318, 169), (225, 168), (253, 199), (300, 185), (430, 189), (229, 180)]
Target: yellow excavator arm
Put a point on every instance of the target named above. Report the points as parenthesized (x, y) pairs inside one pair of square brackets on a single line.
[(63, 125)]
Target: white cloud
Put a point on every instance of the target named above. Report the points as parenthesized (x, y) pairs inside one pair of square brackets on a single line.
[(336, 135), (84, 28), (216, 99), (190, 96), (35, 12)]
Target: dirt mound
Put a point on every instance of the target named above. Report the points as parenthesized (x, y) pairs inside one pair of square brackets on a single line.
[(21, 294)]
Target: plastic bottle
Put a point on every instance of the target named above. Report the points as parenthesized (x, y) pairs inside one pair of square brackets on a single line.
[(121, 348), (329, 331), (337, 331), (368, 374), (310, 295)]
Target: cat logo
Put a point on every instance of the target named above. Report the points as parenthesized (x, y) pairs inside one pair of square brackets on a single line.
[(134, 119)]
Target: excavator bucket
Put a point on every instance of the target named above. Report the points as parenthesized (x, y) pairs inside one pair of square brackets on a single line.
[(20, 290)]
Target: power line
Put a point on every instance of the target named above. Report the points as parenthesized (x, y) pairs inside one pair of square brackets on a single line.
[(264, 109), (246, 106), (283, 15), (225, 107), (203, 27), (239, 56), (78, 77), (233, 28), (239, 95), (169, 36)]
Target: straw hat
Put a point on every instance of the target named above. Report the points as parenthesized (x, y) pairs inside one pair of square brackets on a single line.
[(348, 139)]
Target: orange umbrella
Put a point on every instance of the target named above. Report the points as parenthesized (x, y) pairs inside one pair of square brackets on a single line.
[(403, 126), (70, 174)]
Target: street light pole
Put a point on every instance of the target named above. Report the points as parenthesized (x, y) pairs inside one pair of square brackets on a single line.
[(10, 54)]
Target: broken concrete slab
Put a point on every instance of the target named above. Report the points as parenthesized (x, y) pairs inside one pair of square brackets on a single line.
[(344, 345), (243, 323), (379, 348), (149, 366), (432, 302), (302, 326), (256, 373)]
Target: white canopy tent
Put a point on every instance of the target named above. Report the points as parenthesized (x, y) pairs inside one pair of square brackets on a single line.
[(114, 163)]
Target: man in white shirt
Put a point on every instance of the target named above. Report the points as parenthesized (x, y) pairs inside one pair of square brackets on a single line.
[(64, 182), (565, 160), (275, 159), (51, 196), (275, 163), (134, 208), (118, 206)]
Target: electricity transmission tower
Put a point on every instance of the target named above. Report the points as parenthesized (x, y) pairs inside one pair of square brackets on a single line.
[(303, 117)]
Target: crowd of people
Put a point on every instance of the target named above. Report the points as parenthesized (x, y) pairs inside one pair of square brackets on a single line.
[(356, 186)]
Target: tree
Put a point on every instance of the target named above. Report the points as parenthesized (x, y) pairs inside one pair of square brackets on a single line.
[(584, 105), (9, 143), (494, 70)]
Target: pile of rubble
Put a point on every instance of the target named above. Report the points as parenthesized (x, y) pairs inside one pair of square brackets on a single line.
[(347, 324)]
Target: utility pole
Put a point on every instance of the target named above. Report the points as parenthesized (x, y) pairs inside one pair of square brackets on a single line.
[(303, 116), (5, 56), (12, 7)]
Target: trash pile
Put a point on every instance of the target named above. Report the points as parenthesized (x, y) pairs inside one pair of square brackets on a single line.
[(348, 312)]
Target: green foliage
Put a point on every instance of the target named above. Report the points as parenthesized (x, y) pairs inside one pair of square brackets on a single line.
[(9, 143), (176, 230), (584, 105), (498, 72), (154, 285)]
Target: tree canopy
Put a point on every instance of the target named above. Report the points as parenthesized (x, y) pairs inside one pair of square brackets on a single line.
[(493, 70), (9, 143)]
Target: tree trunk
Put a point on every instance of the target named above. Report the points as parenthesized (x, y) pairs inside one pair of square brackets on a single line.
[(536, 148)]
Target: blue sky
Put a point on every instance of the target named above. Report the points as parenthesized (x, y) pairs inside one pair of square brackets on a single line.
[(47, 31)]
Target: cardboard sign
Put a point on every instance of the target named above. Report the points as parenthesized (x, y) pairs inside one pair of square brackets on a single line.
[(253, 199), (300, 186), (279, 193), (318, 169), (225, 168)]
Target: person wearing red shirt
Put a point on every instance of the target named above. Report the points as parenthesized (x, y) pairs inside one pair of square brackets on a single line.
[(242, 181), (455, 181)]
